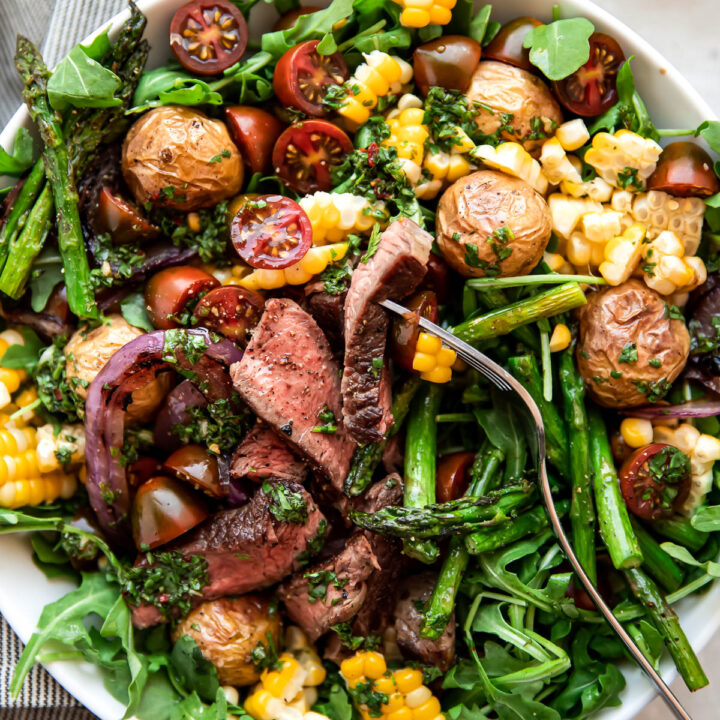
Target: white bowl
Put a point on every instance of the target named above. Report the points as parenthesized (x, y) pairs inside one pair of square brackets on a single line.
[(24, 589)]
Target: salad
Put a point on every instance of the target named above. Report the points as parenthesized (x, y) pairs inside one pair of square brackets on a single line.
[(275, 499)]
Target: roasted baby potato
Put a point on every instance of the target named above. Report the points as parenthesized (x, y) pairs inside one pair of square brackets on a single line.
[(491, 224), (518, 100), (629, 349), (228, 630), (176, 157)]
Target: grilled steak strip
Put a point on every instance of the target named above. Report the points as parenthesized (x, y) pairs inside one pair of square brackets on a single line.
[(394, 271), (288, 377), (262, 455)]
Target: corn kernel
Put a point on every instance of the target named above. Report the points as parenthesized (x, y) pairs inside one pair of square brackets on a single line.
[(440, 15), (439, 375), (560, 338), (686, 437), (636, 432), (428, 710), (429, 344), (374, 665), (446, 357), (352, 667), (419, 696), (572, 134), (404, 713), (408, 679)]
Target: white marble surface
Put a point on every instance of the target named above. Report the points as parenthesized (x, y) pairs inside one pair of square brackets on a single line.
[(686, 32)]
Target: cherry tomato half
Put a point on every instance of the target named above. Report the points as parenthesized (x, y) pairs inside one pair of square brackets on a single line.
[(164, 509), (290, 18), (306, 152), (302, 76), (141, 470), (507, 45), (271, 232), (169, 291), (655, 481), (684, 169), (231, 311), (405, 330), (254, 132), (196, 465), (451, 477), (447, 62), (121, 219), (208, 36), (592, 89)]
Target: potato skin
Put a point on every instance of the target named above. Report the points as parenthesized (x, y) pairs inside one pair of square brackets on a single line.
[(615, 316), (87, 353), (508, 89), (227, 630), (172, 147), (474, 206)]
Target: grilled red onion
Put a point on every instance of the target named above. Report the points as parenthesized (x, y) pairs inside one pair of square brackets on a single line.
[(693, 409), (109, 395), (174, 411)]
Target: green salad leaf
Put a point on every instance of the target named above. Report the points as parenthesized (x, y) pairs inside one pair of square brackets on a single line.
[(193, 669), (134, 310), (560, 48), (21, 158), (23, 357)]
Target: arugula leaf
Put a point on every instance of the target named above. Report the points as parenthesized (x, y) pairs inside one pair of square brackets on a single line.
[(710, 132), (23, 357), (193, 669), (678, 552), (192, 708), (46, 273), (398, 38), (21, 159), (560, 48), (134, 310), (707, 519), (335, 703), (81, 81), (308, 27), (171, 85), (98, 47)]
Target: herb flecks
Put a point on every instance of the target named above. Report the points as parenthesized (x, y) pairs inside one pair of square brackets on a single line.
[(329, 424), (286, 505), (319, 581)]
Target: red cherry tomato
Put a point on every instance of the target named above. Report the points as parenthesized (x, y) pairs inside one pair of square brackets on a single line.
[(507, 45), (655, 481), (231, 311), (306, 152), (684, 169), (169, 291), (271, 232), (592, 90), (580, 596), (404, 331), (208, 36), (451, 478), (142, 469), (165, 508), (196, 465), (290, 18), (446, 62), (122, 220), (254, 132), (303, 75), (436, 278)]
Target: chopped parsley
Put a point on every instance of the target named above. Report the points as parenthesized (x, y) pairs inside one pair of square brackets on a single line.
[(319, 581), (315, 545), (668, 469), (286, 505), (473, 260), (700, 342), (498, 242), (264, 656), (363, 693), (445, 112), (655, 362), (373, 244), (629, 353), (192, 346), (355, 642), (336, 278), (628, 179), (217, 425), (377, 366), (329, 422), (615, 374), (673, 312), (654, 390), (336, 96), (219, 158), (117, 263), (56, 394)]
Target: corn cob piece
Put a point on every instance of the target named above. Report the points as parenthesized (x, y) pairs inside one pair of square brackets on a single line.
[(421, 13), (572, 135), (666, 268), (37, 490), (658, 211), (60, 450), (313, 263), (512, 159), (433, 361), (289, 692), (622, 255), (625, 159), (556, 165), (397, 695), (586, 246), (380, 75), (336, 215), (566, 212), (703, 451)]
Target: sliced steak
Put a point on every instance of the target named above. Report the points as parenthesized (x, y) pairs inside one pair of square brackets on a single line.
[(246, 549), (262, 455), (344, 580), (416, 590), (328, 311), (394, 271), (288, 376)]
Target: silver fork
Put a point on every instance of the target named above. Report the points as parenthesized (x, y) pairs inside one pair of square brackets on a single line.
[(520, 398)]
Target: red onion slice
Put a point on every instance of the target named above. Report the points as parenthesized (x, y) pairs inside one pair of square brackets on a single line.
[(693, 409)]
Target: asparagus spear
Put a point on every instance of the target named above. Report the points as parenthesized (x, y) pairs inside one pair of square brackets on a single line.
[(445, 519), (667, 624), (502, 321), (441, 603), (529, 523), (582, 515), (368, 457), (495, 299), (420, 452), (525, 369), (21, 209), (679, 530), (70, 238), (656, 561), (614, 520)]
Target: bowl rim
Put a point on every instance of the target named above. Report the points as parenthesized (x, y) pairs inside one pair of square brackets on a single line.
[(79, 677)]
